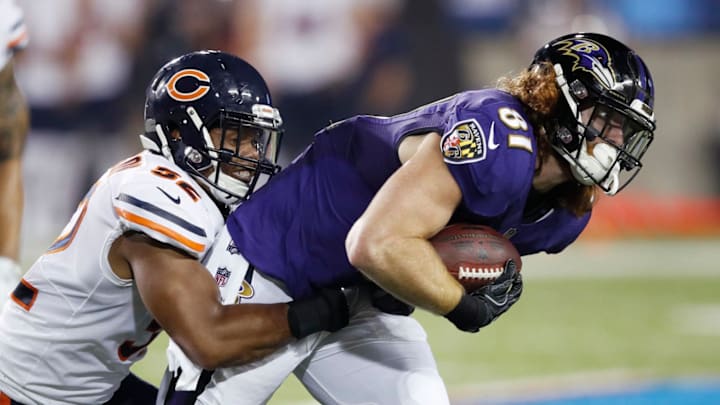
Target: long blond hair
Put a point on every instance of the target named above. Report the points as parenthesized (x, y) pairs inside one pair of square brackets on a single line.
[(537, 90)]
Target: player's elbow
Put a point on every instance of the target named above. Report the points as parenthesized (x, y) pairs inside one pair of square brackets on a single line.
[(210, 356), (217, 344), (202, 351), (206, 358), (201, 342), (364, 249)]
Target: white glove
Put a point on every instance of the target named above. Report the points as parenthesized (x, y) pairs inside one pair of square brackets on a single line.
[(10, 275)]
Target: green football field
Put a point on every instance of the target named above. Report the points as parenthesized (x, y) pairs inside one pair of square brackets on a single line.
[(600, 315)]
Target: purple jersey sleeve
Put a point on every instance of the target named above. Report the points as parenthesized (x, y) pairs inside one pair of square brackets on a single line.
[(551, 234), (491, 172)]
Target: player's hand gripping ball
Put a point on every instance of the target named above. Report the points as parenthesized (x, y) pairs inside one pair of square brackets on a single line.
[(474, 254)]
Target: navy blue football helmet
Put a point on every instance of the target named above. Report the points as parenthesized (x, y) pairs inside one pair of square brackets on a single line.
[(606, 91), (203, 91)]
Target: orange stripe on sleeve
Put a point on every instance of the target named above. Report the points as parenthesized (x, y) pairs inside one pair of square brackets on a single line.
[(4, 399), (198, 247), (17, 40), (63, 241)]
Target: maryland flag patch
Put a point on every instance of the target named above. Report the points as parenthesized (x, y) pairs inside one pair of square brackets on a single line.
[(465, 143)]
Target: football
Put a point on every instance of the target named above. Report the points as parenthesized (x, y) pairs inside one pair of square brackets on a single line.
[(474, 254)]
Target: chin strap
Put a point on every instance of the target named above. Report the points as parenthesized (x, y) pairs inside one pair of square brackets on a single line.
[(591, 168), (225, 182)]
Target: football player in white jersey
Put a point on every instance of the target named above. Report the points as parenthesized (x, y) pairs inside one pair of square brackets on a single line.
[(14, 121), (129, 261)]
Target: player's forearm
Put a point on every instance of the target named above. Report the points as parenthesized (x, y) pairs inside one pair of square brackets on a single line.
[(11, 199), (14, 116), (409, 269), (14, 122), (183, 298), (241, 333), (223, 340), (388, 243)]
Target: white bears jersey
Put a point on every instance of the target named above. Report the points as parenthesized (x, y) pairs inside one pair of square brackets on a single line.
[(73, 328), (13, 35)]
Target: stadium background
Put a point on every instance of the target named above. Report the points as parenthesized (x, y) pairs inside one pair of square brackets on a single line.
[(631, 308)]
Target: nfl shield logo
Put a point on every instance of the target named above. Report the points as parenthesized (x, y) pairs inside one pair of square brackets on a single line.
[(222, 275)]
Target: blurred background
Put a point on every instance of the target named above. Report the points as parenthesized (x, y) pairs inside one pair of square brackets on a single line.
[(89, 61)]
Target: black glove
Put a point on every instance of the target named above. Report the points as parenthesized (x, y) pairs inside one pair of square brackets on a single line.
[(328, 310), (387, 303), (480, 307)]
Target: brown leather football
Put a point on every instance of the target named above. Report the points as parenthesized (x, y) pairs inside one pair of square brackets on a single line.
[(474, 254)]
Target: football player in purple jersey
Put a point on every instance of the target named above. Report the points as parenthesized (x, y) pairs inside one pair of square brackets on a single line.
[(359, 205)]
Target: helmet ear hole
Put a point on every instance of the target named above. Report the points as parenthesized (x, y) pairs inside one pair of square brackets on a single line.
[(579, 91)]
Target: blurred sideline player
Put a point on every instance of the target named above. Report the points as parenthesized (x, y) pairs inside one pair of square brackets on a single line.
[(14, 122), (526, 159), (127, 264)]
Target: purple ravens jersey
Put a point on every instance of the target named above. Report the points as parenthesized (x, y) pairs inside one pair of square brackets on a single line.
[(294, 228)]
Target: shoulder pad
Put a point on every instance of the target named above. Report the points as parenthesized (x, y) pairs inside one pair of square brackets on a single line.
[(168, 206)]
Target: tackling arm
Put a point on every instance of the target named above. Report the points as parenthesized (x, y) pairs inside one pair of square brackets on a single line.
[(184, 299), (389, 242)]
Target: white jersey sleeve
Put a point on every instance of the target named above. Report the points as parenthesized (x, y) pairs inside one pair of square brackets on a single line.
[(13, 34), (167, 205)]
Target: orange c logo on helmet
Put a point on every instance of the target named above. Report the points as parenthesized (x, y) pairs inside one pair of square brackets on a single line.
[(203, 85)]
